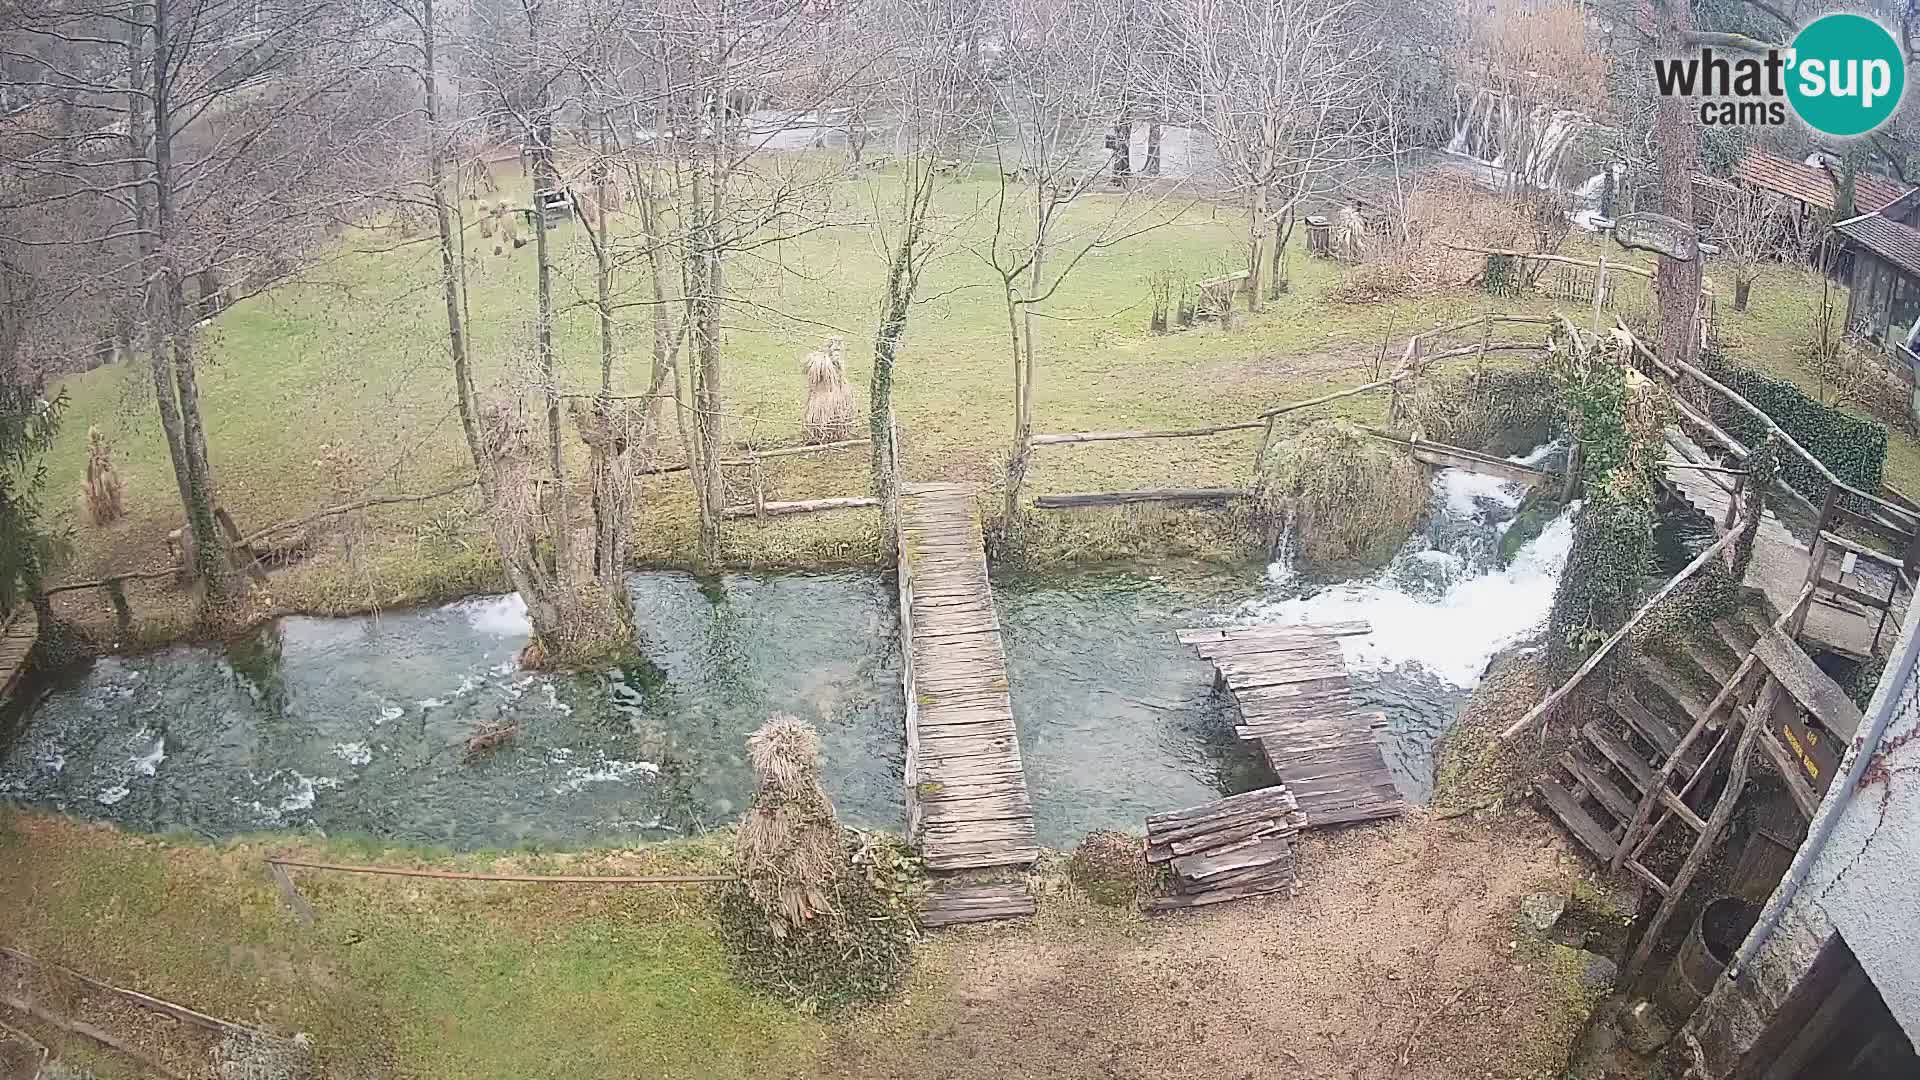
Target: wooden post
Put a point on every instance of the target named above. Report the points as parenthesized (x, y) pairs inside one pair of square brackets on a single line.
[(756, 474), (122, 611), (1599, 291), (1576, 461), (1733, 505), (1260, 459)]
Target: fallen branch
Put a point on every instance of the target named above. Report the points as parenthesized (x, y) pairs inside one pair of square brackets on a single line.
[(80, 1027), (349, 507), (531, 879), (145, 1001)]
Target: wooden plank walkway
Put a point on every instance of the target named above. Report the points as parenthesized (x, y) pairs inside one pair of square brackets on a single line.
[(1779, 565), (16, 642), (1291, 685), (967, 803)]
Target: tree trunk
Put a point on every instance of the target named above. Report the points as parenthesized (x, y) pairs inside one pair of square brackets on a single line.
[(1741, 288), (1676, 140), (1122, 153), (609, 509), (546, 181), (1282, 234), (1152, 165), (139, 132), (209, 549), (704, 284), (1256, 248)]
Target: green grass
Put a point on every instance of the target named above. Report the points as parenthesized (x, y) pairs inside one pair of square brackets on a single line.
[(352, 355), (406, 979)]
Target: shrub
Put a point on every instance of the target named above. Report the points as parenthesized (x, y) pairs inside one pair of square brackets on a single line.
[(1497, 410), (1109, 867), (1349, 496), (819, 917)]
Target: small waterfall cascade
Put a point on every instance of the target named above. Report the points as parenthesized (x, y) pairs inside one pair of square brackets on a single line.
[(1487, 126)]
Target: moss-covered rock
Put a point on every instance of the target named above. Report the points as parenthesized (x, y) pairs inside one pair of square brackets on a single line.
[(1535, 513)]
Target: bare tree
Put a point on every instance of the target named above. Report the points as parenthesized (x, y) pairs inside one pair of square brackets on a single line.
[(930, 77), (1749, 226), (1282, 89), (1059, 88)]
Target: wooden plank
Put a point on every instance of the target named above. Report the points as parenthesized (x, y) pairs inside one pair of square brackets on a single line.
[(1245, 854), (1807, 684), (1590, 833), (1177, 496), (1344, 628), (1628, 762), (1603, 790)]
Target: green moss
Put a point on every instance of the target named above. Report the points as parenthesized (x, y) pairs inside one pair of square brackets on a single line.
[(1535, 513)]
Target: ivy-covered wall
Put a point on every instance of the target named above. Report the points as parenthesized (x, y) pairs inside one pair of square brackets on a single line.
[(1618, 418), (1855, 449)]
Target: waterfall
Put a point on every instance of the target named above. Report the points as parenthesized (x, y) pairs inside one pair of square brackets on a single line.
[(1488, 126)]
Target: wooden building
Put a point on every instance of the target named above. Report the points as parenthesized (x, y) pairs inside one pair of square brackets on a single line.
[(1883, 302)]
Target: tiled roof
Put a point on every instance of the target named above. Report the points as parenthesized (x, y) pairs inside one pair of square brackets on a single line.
[(1896, 243), (1812, 184)]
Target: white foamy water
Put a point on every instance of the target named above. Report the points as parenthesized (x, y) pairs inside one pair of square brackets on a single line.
[(353, 753), (1454, 633), (609, 771), (149, 763), (501, 616), (113, 794)]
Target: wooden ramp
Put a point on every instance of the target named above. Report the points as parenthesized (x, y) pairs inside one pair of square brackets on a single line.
[(1291, 685), (16, 642), (967, 804), (1780, 562)]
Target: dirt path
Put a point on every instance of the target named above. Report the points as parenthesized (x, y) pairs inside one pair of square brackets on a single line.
[(1393, 961)]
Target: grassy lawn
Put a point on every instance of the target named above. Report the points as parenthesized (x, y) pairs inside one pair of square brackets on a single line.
[(337, 384)]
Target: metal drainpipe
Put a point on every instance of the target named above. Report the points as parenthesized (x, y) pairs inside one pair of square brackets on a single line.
[(1886, 701)]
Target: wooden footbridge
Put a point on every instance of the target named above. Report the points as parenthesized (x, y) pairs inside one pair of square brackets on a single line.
[(1291, 685), (16, 643), (967, 804)]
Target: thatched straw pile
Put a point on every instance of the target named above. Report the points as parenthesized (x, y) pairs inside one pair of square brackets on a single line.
[(1350, 498), (820, 917), (102, 485), (791, 849), (829, 412)]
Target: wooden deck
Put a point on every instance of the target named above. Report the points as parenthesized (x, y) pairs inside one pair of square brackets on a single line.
[(1779, 565), (16, 642), (1291, 685), (967, 804)]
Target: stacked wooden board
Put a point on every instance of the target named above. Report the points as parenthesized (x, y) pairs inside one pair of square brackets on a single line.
[(1237, 847), (1291, 685)]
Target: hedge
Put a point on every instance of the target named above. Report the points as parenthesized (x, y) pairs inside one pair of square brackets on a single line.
[(1855, 449)]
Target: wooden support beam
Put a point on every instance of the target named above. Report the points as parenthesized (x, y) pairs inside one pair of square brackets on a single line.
[(1716, 822), (1114, 436), (1179, 496), (804, 506)]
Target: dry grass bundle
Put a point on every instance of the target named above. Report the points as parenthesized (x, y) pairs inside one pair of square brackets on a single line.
[(791, 849), (102, 486), (1416, 259), (829, 413), (1350, 498), (1496, 410), (819, 917)]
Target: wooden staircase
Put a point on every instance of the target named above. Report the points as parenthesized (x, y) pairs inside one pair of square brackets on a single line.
[(1642, 754)]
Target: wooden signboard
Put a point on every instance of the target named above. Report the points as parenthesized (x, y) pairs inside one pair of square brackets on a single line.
[(1658, 233), (1815, 750)]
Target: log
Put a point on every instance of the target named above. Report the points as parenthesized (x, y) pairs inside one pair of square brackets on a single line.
[(145, 1001), (78, 1027), (792, 451), (1113, 436), (804, 506), (1619, 635), (1182, 496), (358, 504), (1541, 256), (534, 879)]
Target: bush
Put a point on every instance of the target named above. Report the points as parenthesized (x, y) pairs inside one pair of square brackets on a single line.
[(1855, 449), (1109, 867), (1491, 409)]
